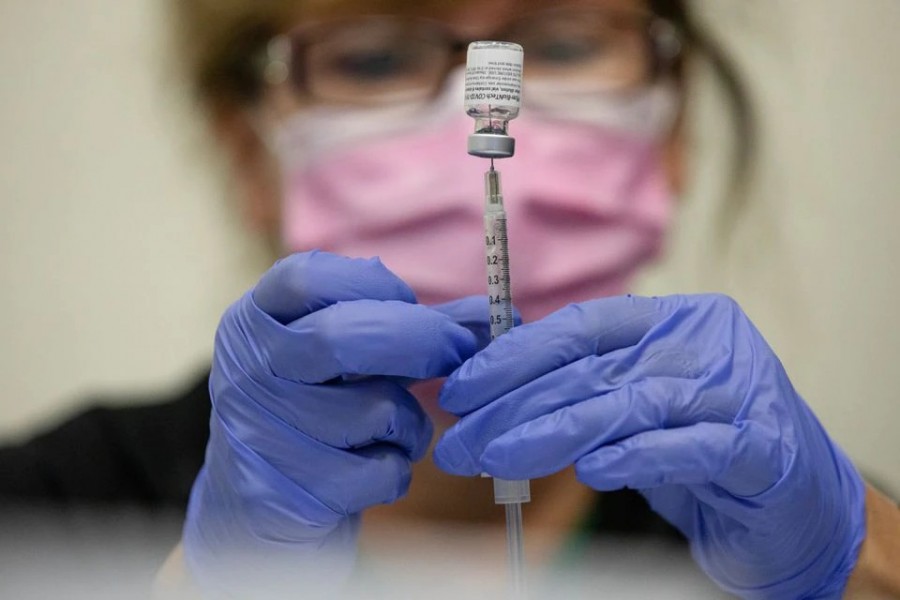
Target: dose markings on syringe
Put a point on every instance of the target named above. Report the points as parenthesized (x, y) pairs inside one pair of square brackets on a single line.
[(499, 293)]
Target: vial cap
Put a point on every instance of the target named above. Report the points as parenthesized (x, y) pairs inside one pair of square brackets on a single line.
[(491, 145)]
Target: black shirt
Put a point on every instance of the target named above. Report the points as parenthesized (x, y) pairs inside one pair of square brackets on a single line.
[(147, 454), (94, 505)]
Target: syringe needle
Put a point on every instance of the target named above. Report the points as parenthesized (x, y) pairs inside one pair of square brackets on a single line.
[(492, 164)]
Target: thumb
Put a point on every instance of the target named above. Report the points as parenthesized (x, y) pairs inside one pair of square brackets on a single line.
[(473, 312)]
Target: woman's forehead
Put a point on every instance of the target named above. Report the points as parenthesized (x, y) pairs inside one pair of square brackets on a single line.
[(467, 13)]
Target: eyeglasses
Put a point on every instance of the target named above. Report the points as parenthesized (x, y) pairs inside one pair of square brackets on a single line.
[(376, 60)]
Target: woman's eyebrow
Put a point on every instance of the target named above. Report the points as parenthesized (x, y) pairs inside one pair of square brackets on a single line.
[(319, 8)]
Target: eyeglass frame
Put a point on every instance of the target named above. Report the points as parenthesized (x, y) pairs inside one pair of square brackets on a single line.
[(277, 63)]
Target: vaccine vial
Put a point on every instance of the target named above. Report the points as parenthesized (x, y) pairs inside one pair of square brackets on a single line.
[(493, 96)]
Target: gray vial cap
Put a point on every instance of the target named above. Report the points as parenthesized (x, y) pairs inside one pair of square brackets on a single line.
[(491, 145)]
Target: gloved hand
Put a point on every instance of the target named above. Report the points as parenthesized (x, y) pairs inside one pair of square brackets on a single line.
[(311, 422), (682, 399)]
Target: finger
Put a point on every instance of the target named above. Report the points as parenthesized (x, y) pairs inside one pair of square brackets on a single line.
[(537, 430), (345, 416), (303, 283), (248, 475), (534, 349), (368, 337), (586, 377), (473, 313), (360, 414), (346, 482), (538, 400), (739, 459)]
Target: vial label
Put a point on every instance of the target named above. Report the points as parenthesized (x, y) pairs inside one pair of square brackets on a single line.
[(494, 76)]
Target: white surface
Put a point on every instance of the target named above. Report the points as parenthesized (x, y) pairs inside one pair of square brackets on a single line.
[(119, 248)]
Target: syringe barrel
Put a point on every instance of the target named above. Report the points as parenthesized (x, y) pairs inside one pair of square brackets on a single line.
[(500, 301), (497, 255)]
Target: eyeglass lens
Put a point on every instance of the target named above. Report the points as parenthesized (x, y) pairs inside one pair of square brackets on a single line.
[(382, 59)]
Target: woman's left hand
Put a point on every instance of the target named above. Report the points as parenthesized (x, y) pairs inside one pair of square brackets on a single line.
[(681, 398)]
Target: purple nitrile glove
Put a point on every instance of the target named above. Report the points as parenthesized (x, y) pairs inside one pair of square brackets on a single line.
[(311, 420), (681, 398)]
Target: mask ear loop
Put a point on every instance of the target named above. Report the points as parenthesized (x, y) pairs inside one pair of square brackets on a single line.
[(273, 133), (259, 123), (274, 70), (261, 119)]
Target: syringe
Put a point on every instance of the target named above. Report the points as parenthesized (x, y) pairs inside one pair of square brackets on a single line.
[(507, 492), (493, 98)]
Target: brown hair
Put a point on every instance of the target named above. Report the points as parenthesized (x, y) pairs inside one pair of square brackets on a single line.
[(217, 41)]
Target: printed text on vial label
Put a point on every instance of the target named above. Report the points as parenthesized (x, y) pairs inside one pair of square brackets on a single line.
[(496, 81)]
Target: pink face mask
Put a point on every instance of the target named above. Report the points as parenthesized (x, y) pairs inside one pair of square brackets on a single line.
[(587, 203)]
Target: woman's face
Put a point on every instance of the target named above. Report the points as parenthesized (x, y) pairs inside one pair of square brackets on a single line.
[(260, 177)]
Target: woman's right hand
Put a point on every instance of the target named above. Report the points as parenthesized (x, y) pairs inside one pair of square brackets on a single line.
[(311, 421)]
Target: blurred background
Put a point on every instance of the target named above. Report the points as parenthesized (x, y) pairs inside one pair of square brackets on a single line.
[(120, 246)]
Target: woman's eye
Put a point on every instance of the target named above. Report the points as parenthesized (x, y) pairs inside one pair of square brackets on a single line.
[(373, 65), (565, 52)]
